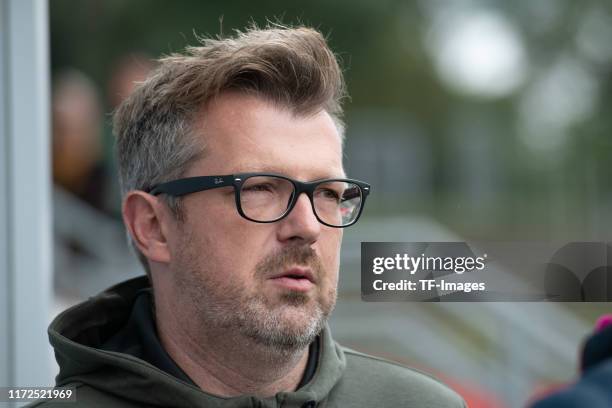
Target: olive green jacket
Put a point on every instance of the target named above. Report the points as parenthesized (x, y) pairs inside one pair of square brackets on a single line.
[(343, 378)]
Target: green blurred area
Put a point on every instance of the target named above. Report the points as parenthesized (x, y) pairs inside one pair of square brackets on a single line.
[(565, 193)]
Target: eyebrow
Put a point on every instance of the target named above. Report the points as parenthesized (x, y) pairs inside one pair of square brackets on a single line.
[(260, 168)]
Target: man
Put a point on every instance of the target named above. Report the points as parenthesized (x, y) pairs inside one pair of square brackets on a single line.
[(234, 197)]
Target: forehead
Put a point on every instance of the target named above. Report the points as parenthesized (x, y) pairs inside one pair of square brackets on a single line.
[(245, 133)]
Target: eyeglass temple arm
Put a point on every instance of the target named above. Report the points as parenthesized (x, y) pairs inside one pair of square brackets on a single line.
[(190, 185)]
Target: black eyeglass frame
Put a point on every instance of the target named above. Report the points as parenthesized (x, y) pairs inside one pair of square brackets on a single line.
[(188, 185)]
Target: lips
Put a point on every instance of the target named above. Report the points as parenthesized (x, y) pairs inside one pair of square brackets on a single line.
[(296, 273), (297, 279)]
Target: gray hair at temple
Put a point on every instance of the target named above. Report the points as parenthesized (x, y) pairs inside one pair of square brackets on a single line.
[(291, 67)]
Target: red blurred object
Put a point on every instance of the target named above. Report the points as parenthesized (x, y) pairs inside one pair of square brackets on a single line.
[(474, 395), (603, 322)]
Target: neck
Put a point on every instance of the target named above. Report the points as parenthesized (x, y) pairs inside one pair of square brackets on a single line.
[(229, 364)]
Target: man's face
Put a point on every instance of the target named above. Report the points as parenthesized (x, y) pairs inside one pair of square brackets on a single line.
[(226, 268)]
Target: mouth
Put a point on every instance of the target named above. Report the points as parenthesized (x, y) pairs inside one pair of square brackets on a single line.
[(296, 279)]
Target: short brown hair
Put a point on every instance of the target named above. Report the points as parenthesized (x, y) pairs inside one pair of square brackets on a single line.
[(291, 67)]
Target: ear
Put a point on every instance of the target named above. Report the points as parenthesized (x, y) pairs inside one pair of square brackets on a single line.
[(145, 216)]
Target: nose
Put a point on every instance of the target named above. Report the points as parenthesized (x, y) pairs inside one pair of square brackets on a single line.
[(301, 224)]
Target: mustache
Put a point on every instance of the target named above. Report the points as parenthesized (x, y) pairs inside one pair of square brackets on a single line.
[(288, 256)]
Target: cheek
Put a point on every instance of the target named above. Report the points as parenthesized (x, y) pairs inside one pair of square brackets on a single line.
[(230, 245), (225, 258), (330, 253)]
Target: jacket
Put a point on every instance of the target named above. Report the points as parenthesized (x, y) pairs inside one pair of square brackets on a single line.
[(343, 377)]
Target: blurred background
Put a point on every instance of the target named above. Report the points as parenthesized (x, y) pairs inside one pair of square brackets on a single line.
[(473, 120)]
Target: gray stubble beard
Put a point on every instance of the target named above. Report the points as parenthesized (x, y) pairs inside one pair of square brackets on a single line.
[(271, 329), (261, 320)]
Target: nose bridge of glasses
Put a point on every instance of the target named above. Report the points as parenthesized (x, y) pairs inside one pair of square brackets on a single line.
[(302, 190), (307, 196)]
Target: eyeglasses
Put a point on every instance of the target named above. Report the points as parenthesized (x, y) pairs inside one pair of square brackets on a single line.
[(268, 197)]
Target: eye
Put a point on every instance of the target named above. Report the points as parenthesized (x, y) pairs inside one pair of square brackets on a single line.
[(257, 188), (329, 194)]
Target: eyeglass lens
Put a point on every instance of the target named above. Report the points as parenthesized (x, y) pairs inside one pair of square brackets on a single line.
[(267, 198)]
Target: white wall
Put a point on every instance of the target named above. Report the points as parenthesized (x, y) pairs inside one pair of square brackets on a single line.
[(25, 194)]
